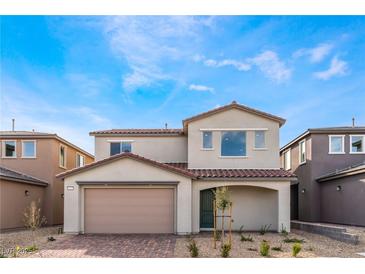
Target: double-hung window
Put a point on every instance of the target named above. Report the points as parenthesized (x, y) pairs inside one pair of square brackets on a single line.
[(80, 160), (302, 152), (336, 144), (9, 149), (287, 160), (119, 147), (207, 140), (233, 143), (62, 156), (357, 144), (29, 149)]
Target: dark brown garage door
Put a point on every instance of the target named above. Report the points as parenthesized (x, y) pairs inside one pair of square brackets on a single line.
[(129, 210)]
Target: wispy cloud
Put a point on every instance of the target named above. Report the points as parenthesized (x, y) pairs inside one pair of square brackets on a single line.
[(315, 54), (241, 66), (200, 88), (147, 42), (271, 66), (337, 68), (87, 85)]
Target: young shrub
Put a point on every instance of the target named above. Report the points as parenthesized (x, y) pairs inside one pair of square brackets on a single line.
[(218, 235), (293, 240), (225, 250), (16, 251), (283, 231), (31, 248), (264, 249), (277, 248), (264, 229), (193, 248), (223, 201), (297, 247), (246, 239), (33, 219)]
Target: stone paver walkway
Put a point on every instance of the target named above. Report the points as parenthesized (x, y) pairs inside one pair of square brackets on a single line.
[(110, 246)]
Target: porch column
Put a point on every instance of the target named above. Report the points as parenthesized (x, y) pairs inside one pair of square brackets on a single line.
[(284, 207)]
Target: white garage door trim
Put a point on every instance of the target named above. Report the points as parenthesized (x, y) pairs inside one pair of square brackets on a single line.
[(101, 185)]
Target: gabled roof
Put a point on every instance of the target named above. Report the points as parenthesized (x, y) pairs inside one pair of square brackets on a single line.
[(139, 132), (243, 173), (12, 175), (40, 135), (324, 130), (233, 105), (349, 171), (128, 155)]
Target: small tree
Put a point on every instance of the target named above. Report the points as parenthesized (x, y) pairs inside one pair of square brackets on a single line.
[(33, 219), (223, 202)]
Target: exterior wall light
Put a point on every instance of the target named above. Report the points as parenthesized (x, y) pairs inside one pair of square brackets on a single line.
[(303, 190), (339, 188), (62, 195), (26, 193)]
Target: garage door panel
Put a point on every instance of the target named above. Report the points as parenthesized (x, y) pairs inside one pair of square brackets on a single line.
[(129, 210)]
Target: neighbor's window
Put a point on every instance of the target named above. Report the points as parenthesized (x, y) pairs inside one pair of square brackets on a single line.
[(259, 139), (29, 149), (302, 154), (62, 156), (207, 140), (126, 147), (9, 149), (233, 143), (114, 148), (80, 160), (287, 160), (336, 144), (357, 143)]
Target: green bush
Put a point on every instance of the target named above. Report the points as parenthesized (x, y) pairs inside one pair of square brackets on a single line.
[(193, 249), (283, 231), (277, 248), (293, 240), (225, 249), (297, 247), (264, 249), (246, 239), (264, 229), (31, 248)]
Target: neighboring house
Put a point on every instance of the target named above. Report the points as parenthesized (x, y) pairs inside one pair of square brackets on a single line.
[(161, 180), (40, 156), (329, 164)]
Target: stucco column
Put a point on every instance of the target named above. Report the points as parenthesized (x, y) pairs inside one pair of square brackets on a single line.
[(184, 204), (284, 207)]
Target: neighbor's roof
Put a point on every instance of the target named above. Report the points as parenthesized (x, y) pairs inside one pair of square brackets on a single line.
[(324, 130), (233, 105), (130, 156), (40, 135), (8, 174), (235, 173), (140, 131), (340, 173)]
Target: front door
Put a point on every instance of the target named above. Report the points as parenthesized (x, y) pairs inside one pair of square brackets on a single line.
[(206, 208)]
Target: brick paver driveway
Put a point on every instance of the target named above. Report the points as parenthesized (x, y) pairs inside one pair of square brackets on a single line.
[(112, 246)]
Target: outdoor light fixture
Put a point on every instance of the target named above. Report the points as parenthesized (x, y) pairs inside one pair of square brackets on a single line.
[(303, 190), (62, 195), (26, 193), (339, 188)]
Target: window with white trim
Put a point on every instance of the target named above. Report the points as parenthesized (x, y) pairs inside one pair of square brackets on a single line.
[(260, 139), (302, 152), (336, 144), (287, 160), (29, 149), (62, 156), (357, 144), (80, 160), (119, 147), (207, 140), (9, 149), (233, 143)]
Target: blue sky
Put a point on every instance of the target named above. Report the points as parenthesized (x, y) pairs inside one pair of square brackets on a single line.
[(71, 75)]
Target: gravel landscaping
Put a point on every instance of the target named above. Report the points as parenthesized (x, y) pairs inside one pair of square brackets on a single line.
[(314, 246)]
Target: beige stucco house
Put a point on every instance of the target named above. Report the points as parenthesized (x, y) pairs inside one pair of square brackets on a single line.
[(161, 180)]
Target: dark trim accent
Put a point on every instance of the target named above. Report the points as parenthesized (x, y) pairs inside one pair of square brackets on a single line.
[(29, 182), (341, 175), (127, 182), (250, 179)]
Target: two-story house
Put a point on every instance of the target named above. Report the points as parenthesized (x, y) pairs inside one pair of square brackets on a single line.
[(161, 180), (330, 166), (28, 167)]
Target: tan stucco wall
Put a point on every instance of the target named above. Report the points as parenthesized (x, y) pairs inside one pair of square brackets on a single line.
[(125, 170), (161, 149), (13, 202), (251, 203), (45, 167), (198, 158)]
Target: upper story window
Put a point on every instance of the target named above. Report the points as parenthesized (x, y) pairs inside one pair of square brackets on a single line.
[(80, 160), (260, 139), (62, 156), (336, 144), (287, 160), (29, 149), (9, 149), (302, 152), (233, 143), (207, 140), (357, 144), (118, 147)]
